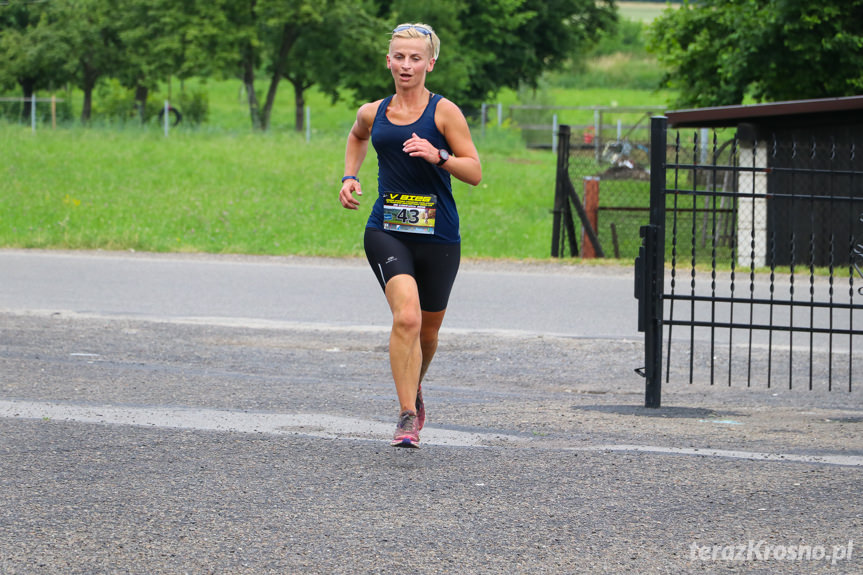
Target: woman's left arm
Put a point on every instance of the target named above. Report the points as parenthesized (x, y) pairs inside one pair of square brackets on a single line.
[(463, 162)]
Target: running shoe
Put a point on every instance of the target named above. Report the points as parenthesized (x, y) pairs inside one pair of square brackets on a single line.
[(421, 408), (407, 431)]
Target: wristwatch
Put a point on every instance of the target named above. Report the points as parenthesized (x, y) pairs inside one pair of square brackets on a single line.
[(444, 156)]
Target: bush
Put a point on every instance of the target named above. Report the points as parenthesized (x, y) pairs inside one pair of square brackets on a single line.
[(194, 105), (114, 102)]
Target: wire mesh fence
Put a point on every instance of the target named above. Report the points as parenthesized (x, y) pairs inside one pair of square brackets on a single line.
[(607, 165)]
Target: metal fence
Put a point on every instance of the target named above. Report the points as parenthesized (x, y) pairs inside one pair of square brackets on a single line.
[(598, 127), (604, 177), (27, 107), (750, 267)]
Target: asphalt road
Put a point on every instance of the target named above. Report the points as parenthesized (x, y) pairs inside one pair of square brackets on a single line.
[(536, 298), (203, 414)]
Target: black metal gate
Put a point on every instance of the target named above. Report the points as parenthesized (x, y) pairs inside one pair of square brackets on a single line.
[(750, 267)]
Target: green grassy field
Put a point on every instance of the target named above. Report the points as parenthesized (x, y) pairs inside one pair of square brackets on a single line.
[(221, 188), (235, 193)]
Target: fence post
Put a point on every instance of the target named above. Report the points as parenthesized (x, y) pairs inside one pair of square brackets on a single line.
[(591, 208), (166, 117), (653, 271), (597, 134), (33, 112), (559, 201), (562, 212), (554, 134)]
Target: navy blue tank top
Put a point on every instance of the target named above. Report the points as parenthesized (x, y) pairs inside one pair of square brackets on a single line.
[(400, 173)]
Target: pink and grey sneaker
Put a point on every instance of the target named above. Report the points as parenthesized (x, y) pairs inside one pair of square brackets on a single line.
[(407, 431), (421, 408)]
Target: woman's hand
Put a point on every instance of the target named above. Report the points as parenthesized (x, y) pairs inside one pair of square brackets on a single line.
[(417, 147), (346, 194)]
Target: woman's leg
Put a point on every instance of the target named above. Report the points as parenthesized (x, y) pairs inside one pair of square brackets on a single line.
[(413, 339), (406, 351), (431, 322)]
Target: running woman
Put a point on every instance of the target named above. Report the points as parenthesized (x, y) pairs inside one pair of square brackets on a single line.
[(412, 238)]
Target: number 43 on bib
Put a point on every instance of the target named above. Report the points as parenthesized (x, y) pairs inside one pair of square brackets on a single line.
[(414, 214)]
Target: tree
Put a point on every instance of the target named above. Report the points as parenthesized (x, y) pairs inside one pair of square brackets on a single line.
[(337, 45), (341, 45), (489, 44), (718, 52), (270, 31), (344, 46), (247, 46), (164, 38), (32, 54), (88, 28)]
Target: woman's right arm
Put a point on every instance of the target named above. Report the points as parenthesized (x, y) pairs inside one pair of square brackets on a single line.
[(355, 153)]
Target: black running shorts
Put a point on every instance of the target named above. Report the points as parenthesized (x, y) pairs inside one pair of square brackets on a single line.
[(433, 265)]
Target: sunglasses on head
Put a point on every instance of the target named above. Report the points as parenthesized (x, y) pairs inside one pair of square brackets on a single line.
[(421, 29)]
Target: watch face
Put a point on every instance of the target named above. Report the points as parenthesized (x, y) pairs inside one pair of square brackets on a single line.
[(444, 155)]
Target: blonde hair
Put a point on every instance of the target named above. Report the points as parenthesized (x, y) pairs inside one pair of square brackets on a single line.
[(418, 30)]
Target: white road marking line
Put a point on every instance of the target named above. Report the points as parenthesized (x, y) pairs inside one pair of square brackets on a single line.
[(310, 424), (283, 325), (333, 427), (846, 460)]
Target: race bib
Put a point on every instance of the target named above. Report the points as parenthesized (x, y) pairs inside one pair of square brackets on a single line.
[(409, 213)]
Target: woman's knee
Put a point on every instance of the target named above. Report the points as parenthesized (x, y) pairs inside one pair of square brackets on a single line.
[(408, 319), (405, 305)]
